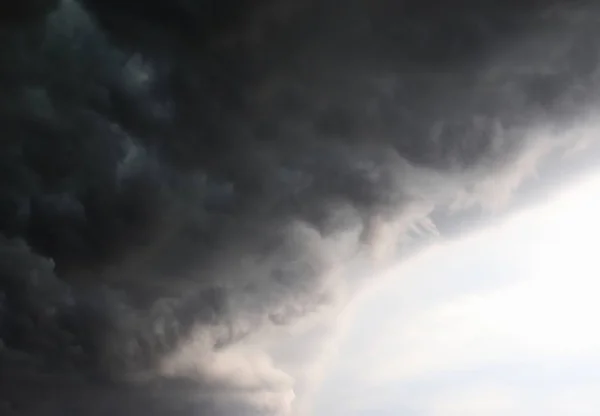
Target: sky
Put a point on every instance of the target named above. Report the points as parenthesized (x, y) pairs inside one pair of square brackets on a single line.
[(501, 322), (297, 207)]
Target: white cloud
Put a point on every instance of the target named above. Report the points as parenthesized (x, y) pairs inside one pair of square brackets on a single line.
[(520, 296), (578, 400), (475, 401)]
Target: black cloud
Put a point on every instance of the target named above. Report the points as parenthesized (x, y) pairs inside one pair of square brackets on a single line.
[(183, 170)]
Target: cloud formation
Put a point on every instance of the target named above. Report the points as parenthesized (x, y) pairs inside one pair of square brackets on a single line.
[(180, 179), (500, 322)]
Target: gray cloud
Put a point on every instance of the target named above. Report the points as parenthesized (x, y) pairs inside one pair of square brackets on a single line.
[(179, 179)]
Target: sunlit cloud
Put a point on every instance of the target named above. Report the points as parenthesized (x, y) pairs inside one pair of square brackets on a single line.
[(522, 295)]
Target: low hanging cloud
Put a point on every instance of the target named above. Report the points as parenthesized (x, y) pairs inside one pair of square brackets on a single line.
[(185, 182)]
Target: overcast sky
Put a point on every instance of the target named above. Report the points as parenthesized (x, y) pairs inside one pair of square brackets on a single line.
[(502, 322), (192, 190)]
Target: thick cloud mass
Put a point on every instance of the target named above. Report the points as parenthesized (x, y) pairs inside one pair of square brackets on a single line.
[(181, 176)]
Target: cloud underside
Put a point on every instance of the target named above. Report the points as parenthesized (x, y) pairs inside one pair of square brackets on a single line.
[(181, 180)]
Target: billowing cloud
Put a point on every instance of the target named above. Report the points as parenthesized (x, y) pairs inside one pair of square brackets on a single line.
[(185, 182)]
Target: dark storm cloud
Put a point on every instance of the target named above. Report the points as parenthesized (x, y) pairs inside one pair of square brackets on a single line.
[(178, 176)]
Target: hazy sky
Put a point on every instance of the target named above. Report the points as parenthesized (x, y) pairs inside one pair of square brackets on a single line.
[(502, 322)]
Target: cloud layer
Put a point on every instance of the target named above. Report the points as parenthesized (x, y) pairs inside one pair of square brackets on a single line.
[(501, 322), (181, 180)]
